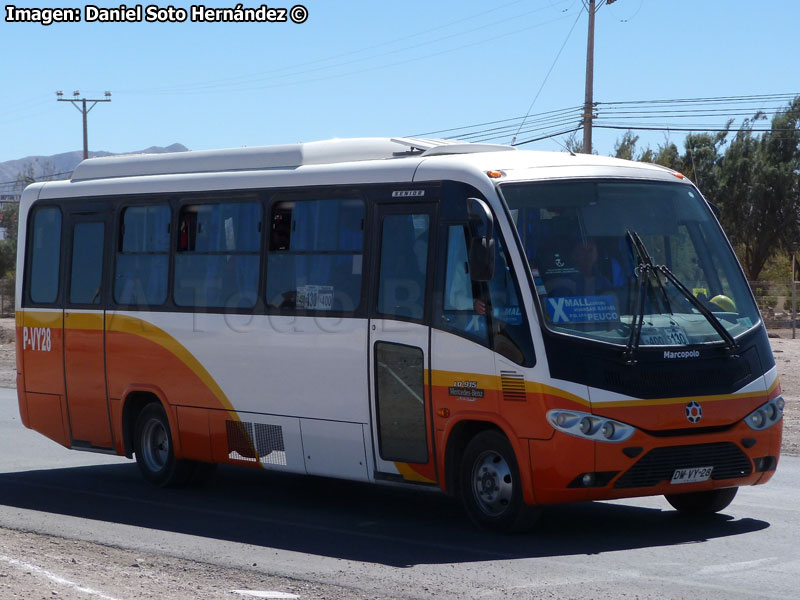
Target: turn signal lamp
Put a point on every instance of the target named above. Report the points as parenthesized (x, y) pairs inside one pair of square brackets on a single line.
[(443, 412)]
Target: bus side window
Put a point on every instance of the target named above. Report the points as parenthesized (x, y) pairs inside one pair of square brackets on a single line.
[(45, 256), (217, 262), (488, 313), (510, 334), (462, 308), (315, 255), (143, 256)]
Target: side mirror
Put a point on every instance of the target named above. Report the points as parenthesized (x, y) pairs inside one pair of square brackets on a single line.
[(715, 209), (481, 247)]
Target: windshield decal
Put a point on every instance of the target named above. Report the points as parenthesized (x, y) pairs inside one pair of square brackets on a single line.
[(583, 309)]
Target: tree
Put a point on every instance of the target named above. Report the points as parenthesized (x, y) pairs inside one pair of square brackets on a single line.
[(759, 189), (573, 144), (626, 147), (701, 159), (9, 214)]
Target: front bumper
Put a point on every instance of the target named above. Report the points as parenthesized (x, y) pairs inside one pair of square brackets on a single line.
[(566, 468)]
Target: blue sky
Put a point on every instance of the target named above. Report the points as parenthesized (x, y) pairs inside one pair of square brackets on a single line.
[(376, 68)]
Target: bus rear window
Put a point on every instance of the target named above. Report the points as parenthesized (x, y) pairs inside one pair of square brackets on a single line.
[(45, 255)]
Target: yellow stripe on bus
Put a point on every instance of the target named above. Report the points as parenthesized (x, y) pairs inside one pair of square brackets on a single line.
[(141, 328)]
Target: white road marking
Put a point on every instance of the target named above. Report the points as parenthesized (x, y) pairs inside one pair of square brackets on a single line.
[(735, 567), (54, 578), (257, 594)]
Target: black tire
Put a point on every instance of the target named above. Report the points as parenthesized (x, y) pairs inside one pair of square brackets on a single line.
[(490, 485), (152, 444), (702, 503)]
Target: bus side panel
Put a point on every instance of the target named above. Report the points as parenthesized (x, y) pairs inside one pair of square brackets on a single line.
[(195, 433), (42, 346), (21, 396), (42, 349), (48, 417)]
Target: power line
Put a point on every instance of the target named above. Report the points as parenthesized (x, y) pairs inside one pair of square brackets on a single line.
[(262, 78), (489, 130), (40, 178), (546, 77)]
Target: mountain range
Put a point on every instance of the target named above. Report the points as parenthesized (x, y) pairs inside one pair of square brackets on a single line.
[(59, 166)]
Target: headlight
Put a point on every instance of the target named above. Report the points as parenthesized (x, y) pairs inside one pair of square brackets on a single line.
[(588, 426), (767, 415)]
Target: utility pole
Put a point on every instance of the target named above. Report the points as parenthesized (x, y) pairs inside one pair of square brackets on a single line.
[(588, 101), (80, 104), (794, 291), (588, 106)]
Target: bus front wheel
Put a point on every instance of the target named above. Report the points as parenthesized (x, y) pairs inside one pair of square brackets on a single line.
[(152, 444), (702, 503), (490, 485)]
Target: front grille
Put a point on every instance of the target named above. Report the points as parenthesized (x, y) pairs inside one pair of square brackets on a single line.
[(658, 465)]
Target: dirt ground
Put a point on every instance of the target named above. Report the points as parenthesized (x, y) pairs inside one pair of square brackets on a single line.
[(34, 566), (786, 350)]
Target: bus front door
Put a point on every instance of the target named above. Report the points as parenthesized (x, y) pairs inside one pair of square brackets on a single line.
[(399, 342), (84, 331)]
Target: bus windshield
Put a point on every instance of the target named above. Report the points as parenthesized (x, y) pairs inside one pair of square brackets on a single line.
[(579, 240)]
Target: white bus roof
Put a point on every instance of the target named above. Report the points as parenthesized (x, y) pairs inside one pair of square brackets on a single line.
[(272, 157), (444, 153)]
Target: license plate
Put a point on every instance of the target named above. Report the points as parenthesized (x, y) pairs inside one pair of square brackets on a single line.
[(691, 475), (664, 336)]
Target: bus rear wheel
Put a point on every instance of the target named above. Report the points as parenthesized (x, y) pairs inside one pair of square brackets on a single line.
[(152, 444), (490, 485), (702, 503)]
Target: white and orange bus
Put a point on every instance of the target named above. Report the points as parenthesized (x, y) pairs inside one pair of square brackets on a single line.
[(515, 328)]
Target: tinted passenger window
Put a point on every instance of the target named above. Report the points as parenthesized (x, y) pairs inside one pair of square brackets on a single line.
[(490, 312), (45, 255), (316, 255), (404, 257), (218, 255), (86, 275), (142, 257), (463, 309)]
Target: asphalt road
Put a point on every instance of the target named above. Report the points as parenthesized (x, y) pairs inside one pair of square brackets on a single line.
[(404, 544)]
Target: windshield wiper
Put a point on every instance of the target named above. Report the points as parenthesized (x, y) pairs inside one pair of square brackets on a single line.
[(702, 308), (645, 268), (642, 273)]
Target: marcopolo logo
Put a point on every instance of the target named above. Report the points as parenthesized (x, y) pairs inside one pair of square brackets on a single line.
[(684, 354), (694, 412)]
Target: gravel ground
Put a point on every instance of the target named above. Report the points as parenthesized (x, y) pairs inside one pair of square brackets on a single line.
[(787, 357), (34, 566)]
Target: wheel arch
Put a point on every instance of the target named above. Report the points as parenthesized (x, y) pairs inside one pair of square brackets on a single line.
[(459, 433), (134, 399)]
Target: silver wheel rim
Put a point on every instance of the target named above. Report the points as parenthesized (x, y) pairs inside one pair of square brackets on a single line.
[(155, 445), (492, 484)]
